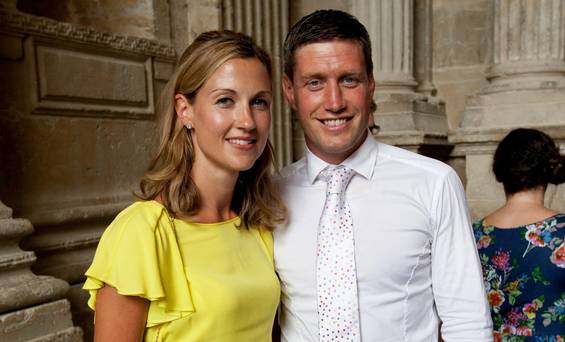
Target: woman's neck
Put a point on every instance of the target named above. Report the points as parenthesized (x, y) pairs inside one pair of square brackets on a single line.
[(216, 192), (533, 198), (521, 208)]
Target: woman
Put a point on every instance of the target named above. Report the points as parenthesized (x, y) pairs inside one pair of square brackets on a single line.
[(521, 244), (193, 260)]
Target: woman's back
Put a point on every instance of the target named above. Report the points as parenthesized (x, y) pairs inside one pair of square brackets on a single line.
[(524, 273), (521, 244)]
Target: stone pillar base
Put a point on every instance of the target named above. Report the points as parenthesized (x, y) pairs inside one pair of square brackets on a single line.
[(413, 121), (42, 323), (531, 108), (31, 308), (410, 112)]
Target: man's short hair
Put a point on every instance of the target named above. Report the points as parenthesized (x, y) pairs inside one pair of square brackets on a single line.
[(324, 26)]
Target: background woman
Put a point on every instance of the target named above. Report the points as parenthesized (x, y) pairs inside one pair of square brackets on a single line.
[(521, 244), (193, 260)]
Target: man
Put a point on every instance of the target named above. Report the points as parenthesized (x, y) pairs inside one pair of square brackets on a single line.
[(388, 254)]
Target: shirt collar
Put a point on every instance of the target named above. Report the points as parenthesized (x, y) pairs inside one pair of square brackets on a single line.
[(361, 161)]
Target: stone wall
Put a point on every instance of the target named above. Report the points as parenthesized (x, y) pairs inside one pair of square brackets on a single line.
[(77, 113), (78, 121)]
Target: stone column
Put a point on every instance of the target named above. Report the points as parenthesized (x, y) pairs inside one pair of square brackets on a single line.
[(526, 88), (31, 307), (77, 120), (527, 76), (406, 117), (267, 22), (423, 47)]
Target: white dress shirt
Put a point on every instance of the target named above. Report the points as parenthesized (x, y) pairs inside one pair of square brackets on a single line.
[(415, 253)]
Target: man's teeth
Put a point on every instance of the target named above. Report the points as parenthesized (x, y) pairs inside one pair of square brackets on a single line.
[(240, 141), (334, 122)]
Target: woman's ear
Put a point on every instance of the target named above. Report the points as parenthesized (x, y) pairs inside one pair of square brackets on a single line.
[(184, 110)]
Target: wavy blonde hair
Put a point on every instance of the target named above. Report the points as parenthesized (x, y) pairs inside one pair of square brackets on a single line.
[(168, 175)]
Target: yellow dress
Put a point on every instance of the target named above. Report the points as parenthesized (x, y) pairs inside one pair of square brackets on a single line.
[(205, 282)]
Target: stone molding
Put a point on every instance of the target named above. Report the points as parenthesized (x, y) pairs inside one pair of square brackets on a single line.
[(39, 26), (49, 322), (18, 286), (60, 78), (27, 301)]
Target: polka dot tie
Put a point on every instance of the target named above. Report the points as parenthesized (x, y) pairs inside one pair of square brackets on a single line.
[(338, 306)]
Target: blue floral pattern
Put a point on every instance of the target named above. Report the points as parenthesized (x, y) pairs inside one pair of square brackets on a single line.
[(524, 275)]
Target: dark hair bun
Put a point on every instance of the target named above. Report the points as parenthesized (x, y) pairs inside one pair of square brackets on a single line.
[(557, 170), (528, 158)]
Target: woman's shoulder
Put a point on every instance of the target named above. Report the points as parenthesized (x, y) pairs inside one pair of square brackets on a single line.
[(560, 220), (142, 215)]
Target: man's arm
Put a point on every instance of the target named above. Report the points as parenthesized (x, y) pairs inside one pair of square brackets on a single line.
[(457, 280)]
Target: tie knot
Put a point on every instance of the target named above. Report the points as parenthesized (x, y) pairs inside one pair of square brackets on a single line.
[(337, 178)]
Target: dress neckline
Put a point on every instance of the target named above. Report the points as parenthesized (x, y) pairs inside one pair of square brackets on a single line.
[(231, 221), (483, 223)]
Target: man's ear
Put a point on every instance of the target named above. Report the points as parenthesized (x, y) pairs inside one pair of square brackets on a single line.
[(184, 110), (288, 90), (371, 85)]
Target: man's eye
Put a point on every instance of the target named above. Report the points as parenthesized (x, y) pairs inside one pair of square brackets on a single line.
[(314, 84), (350, 81)]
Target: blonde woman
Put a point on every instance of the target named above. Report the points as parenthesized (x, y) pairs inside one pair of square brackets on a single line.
[(193, 260)]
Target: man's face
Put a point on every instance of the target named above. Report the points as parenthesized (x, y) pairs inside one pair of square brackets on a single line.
[(331, 95)]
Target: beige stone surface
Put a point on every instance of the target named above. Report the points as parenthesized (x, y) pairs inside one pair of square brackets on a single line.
[(80, 80), (45, 323), (83, 316), (130, 17), (203, 16), (461, 32), (78, 123), (454, 84), (298, 9), (25, 298), (461, 52)]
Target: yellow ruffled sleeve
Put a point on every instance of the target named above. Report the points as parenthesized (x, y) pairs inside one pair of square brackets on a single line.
[(138, 255)]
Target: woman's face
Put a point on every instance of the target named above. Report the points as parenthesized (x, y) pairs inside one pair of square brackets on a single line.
[(230, 116)]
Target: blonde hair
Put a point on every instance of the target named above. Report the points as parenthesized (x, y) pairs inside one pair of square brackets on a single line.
[(168, 175)]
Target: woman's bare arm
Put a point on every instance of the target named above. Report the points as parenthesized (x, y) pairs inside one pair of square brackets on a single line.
[(118, 317)]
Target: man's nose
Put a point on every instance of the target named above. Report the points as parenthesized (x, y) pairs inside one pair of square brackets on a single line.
[(334, 101)]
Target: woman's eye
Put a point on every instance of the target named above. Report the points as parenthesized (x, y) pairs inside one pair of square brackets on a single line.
[(260, 103), (224, 101)]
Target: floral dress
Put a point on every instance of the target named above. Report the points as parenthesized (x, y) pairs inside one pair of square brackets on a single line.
[(524, 275)]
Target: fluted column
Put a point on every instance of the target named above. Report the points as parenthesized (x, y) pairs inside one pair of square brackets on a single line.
[(528, 39), (526, 88), (527, 75), (31, 306), (407, 114), (389, 23), (423, 47), (267, 22)]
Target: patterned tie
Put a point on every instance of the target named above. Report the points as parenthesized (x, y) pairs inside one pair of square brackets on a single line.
[(338, 307)]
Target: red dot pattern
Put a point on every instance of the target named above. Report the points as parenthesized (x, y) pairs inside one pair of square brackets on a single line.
[(338, 306)]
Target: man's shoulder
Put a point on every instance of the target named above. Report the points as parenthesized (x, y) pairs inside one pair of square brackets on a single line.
[(291, 172), (392, 155)]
